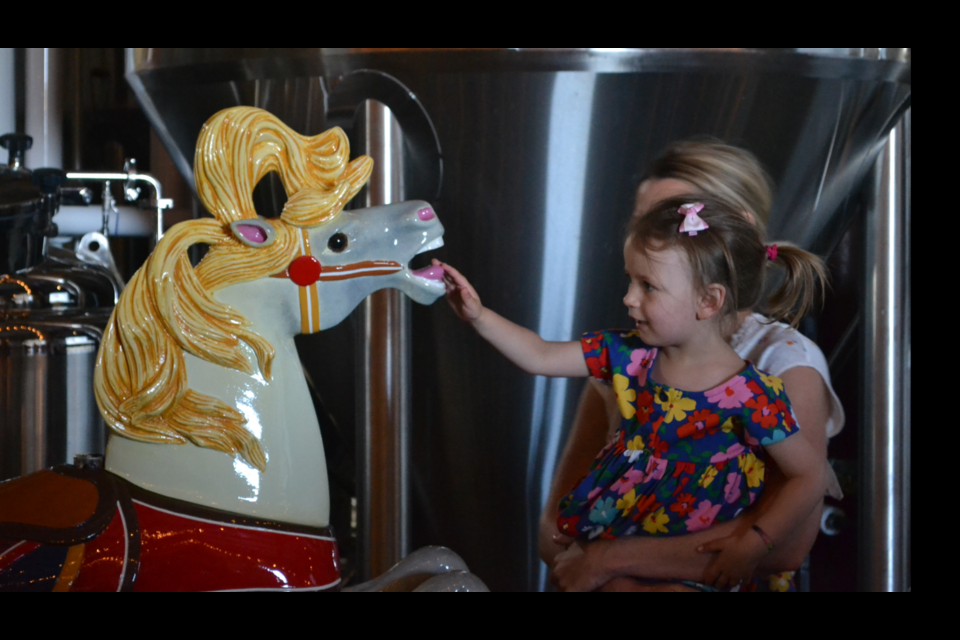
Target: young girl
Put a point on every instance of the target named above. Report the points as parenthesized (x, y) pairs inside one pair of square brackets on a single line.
[(696, 418)]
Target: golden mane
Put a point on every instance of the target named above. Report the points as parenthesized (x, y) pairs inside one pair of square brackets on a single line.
[(168, 306)]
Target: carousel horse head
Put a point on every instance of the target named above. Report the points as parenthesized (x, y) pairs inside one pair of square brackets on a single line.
[(309, 268)]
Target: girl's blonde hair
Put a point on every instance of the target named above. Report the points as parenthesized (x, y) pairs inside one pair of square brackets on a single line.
[(168, 306), (710, 166), (732, 253)]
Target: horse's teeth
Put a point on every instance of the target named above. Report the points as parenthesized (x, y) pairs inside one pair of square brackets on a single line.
[(435, 244)]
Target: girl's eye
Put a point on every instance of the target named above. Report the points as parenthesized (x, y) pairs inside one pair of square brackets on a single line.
[(648, 286), (337, 242)]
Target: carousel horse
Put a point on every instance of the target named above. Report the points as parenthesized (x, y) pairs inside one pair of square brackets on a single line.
[(214, 476)]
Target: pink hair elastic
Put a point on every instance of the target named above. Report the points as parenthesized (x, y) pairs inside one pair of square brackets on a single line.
[(772, 252), (691, 221)]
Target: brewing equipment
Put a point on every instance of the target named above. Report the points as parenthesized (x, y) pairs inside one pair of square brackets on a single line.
[(542, 150), (54, 305), (52, 313)]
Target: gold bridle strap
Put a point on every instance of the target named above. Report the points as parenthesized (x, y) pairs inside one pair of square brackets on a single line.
[(309, 296)]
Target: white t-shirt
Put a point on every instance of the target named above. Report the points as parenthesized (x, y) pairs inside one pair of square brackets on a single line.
[(776, 348)]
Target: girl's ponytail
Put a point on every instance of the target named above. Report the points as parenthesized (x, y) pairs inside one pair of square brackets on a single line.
[(797, 294)]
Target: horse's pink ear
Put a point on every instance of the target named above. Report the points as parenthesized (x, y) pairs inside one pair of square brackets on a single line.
[(254, 232)]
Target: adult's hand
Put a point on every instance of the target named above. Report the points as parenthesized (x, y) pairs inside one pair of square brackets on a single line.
[(580, 567)]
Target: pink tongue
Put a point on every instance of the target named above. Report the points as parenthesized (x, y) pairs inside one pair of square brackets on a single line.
[(430, 273)]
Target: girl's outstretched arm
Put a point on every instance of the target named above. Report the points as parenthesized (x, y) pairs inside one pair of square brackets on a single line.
[(521, 346)]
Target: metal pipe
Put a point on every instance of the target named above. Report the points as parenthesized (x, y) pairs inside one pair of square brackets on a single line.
[(885, 436), (75, 117), (121, 221), (905, 390), (160, 202), (383, 404), (33, 441), (8, 83), (44, 117)]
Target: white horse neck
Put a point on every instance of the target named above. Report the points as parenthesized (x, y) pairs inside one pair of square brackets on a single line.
[(279, 413)]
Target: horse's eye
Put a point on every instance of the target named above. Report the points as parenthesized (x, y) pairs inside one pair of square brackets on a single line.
[(337, 242)]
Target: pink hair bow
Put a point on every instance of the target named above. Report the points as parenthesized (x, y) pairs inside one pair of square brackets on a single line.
[(691, 221)]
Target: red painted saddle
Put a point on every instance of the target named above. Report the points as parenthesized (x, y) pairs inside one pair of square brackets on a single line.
[(73, 529)]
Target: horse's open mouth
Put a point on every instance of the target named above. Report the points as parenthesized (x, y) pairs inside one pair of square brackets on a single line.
[(430, 276)]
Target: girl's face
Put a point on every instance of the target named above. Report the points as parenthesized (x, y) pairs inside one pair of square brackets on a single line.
[(661, 297)]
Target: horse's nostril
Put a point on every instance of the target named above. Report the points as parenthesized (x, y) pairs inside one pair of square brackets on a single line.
[(426, 214)]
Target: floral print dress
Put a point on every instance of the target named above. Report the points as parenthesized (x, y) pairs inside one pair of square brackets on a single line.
[(680, 460)]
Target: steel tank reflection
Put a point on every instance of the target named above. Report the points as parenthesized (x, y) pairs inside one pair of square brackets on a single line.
[(48, 411), (542, 151)]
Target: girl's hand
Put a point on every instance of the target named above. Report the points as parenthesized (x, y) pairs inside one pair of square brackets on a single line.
[(737, 558), (461, 296)]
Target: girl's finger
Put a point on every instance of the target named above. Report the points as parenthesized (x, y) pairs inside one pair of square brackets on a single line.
[(456, 275)]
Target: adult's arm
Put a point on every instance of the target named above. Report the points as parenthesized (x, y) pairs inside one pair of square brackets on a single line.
[(588, 435), (677, 558)]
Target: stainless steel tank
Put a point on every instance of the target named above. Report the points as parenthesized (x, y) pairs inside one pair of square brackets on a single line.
[(47, 408), (51, 322), (542, 150)]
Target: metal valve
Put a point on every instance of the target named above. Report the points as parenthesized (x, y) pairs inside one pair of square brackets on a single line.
[(17, 143), (131, 191)]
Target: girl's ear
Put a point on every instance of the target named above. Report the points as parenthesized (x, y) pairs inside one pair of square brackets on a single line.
[(711, 302)]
